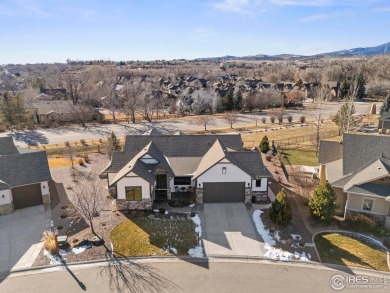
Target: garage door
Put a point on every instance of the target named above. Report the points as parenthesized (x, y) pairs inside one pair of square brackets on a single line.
[(27, 196), (224, 192)]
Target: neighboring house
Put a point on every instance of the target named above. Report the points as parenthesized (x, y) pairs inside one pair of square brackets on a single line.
[(215, 168), (384, 121), (61, 111), (359, 172), (24, 177)]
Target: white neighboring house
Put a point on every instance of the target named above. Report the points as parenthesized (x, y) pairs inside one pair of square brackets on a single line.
[(24, 177), (212, 168)]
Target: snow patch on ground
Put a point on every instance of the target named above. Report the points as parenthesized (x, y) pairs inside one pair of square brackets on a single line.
[(54, 259), (270, 241), (264, 233), (198, 250), (191, 205), (80, 249)]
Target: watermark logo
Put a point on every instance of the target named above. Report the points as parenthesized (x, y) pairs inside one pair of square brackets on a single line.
[(339, 282)]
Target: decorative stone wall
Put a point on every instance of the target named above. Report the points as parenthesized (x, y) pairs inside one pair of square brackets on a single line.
[(122, 204), (6, 209), (248, 195), (261, 196), (199, 196), (46, 198)]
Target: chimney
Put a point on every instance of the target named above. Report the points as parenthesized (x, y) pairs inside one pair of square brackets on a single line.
[(322, 174)]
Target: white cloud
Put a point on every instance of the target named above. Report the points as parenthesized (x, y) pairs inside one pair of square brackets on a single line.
[(239, 6), (315, 17), (302, 2)]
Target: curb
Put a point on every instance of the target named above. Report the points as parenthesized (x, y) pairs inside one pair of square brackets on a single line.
[(351, 233), (213, 259)]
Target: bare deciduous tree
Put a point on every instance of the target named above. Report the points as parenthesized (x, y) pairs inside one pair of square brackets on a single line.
[(204, 120), (230, 118), (88, 198)]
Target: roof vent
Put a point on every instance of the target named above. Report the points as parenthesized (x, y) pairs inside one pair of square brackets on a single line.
[(379, 168)]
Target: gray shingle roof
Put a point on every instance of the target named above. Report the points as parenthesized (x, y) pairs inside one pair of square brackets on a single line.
[(7, 146), (360, 150), (371, 189), (252, 163), (330, 151), (22, 169)]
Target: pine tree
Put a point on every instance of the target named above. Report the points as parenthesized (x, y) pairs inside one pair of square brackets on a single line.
[(361, 87), (323, 202), (228, 102), (280, 210), (386, 105), (264, 145), (237, 101), (344, 89)]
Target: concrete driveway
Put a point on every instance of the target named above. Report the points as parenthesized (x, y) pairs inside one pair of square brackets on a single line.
[(229, 231), (20, 235)]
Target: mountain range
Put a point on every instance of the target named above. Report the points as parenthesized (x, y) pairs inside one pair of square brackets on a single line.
[(367, 51)]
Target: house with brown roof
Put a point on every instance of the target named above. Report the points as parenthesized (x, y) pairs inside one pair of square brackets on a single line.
[(210, 168), (359, 172)]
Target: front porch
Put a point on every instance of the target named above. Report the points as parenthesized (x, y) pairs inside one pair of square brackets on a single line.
[(163, 195)]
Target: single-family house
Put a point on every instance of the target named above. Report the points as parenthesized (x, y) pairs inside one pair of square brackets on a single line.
[(24, 177), (359, 172), (213, 168)]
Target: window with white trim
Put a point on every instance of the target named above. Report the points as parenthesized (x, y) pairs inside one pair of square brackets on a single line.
[(223, 170), (368, 204)]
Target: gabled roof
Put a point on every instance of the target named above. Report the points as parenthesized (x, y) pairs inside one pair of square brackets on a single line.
[(330, 151), (215, 154), (361, 150), (251, 162), (7, 146), (371, 189), (22, 169), (135, 165), (378, 169)]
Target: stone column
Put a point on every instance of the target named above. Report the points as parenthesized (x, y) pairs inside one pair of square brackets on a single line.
[(199, 196)]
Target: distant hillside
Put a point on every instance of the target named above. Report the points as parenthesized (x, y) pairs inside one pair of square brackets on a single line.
[(381, 49)]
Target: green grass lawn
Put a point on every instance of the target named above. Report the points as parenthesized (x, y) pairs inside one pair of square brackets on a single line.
[(351, 250), (300, 157), (143, 236)]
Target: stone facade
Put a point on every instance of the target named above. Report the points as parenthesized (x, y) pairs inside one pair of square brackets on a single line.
[(6, 209), (248, 195), (199, 196), (122, 204), (46, 198), (260, 195)]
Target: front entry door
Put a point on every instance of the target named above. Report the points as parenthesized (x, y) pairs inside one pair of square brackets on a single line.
[(161, 181)]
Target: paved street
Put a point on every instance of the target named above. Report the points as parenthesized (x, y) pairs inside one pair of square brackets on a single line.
[(76, 132), (181, 276), (229, 231), (20, 235)]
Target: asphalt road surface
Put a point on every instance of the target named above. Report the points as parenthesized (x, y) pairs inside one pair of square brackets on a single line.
[(182, 277)]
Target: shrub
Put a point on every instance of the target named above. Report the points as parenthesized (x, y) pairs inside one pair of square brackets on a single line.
[(323, 202), (289, 118), (161, 210), (82, 141), (268, 158), (264, 145), (272, 119), (81, 162), (49, 242), (86, 159), (280, 210), (280, 119), (67, 143), (302, 119), (263, 119)]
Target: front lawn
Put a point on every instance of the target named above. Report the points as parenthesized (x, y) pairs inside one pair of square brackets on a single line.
[(300, 157), (143, 236), (351, 250)]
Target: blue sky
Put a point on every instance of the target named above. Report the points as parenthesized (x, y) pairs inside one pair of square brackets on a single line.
[(53, 30)]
